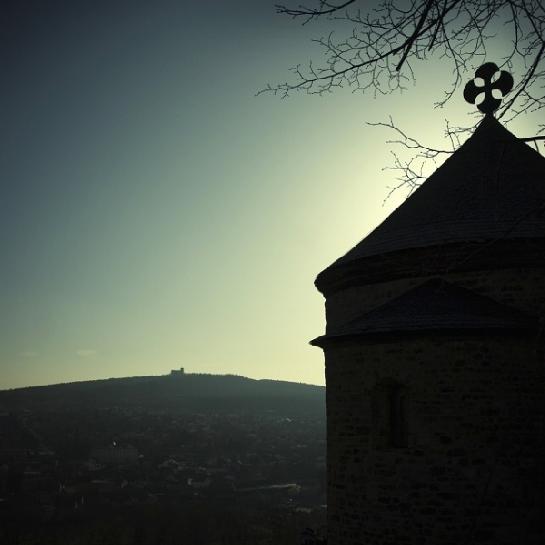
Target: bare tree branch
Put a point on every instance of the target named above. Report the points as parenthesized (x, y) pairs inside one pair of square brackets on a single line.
[(379, 47), (324, 9), (414, 35)]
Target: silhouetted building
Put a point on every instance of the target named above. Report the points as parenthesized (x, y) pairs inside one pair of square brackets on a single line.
[(434, 355), (177, 372)]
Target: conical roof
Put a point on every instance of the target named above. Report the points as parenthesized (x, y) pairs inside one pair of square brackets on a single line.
[(492, 187), (433, 306)]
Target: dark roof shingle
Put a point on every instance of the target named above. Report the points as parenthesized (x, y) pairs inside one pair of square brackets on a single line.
[(492, 187)]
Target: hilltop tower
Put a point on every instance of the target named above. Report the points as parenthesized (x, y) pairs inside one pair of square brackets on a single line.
[(434, 358)]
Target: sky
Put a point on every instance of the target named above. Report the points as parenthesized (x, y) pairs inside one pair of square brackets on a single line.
[(155, 212)]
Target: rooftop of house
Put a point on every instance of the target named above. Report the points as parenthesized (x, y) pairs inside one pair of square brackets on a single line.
[(491, 188)]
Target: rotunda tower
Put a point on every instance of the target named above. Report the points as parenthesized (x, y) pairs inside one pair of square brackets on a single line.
[(434, 357)]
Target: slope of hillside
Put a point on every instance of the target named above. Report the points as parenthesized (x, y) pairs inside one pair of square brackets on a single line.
[(193, 392)]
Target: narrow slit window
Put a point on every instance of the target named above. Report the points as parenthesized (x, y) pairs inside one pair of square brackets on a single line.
[(389, 415)]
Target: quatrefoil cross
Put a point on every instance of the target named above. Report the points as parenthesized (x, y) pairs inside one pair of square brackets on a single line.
[(503, 83)]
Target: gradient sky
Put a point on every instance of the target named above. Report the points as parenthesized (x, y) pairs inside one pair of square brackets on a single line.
[(155, 213)]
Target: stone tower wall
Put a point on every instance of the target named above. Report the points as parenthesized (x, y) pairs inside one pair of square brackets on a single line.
[(472, 465), (471, 470)]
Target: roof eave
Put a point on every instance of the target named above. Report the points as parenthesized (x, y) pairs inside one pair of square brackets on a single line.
[(325, 341)]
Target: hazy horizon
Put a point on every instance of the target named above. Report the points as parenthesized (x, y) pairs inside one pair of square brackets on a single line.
[(164, 375), (158, 214)]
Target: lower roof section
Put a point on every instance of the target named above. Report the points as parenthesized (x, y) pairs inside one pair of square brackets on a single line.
[(435, 305)]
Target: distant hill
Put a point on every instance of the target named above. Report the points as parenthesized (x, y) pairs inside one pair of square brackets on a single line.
[(189, 392)]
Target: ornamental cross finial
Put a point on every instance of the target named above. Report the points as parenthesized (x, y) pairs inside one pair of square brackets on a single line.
[(503, 83)]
